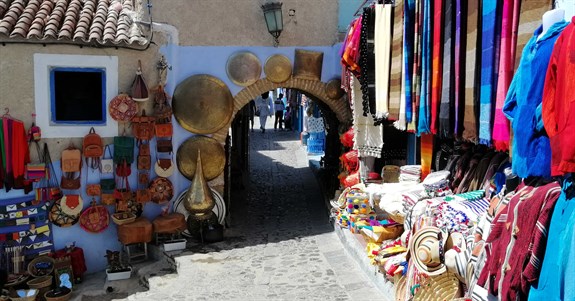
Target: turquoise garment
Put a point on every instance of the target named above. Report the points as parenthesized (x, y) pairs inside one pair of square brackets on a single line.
[(424, 96), (488, 69), (532, 152), (558, 268)]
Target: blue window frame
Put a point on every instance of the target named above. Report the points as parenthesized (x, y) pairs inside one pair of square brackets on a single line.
[(78, 95)]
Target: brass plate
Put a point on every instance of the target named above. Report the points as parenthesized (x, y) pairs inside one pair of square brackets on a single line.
[(278, 68), (308, 64), (213, 157), (333, 89), (244, 68), (203, 104)]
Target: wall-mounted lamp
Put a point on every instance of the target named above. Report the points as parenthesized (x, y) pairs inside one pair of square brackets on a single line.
[(274, 19)]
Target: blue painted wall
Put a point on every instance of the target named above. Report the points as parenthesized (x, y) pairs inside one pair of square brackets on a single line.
[(185, 61), (346, 10)]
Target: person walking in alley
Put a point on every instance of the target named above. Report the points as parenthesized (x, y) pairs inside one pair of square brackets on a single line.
[(252, 106), (279, 108), (264, 105)]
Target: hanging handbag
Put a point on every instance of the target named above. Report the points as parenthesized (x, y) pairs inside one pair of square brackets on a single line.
[(164, 167), (143, 195), (49, 188), (164, 130), (93, 149), (123, 169), (123, 149), (107, 163), (93, 190), (144, 162), (162, 190), (71, 159), (143, 178), (143, 127), (144, 149), (164, 146), (36, 171), (107, 187)]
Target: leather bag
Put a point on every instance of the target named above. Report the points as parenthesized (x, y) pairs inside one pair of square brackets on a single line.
[(108, 199), (123, 169), (71, 159), (93, 190), (70, 183), (144, 162), (164, 130), (124, 149), (143, 195), (143, 127), (162, 190), (93, 146), (164, 146), (107, 163), (144, 149), (164, 168), (107, 185), (143, 178)]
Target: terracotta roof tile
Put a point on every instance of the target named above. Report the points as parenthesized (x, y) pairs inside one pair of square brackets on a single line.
[(104, 22)]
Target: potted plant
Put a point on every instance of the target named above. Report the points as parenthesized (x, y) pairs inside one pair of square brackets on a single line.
[(116, 270)]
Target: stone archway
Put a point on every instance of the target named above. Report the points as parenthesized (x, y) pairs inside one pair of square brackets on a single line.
[(340, 107)]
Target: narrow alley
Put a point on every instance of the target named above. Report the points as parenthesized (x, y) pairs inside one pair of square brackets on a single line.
[(280, 245)]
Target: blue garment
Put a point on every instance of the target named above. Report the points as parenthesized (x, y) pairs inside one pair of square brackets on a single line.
[(408, 32), (423, 127), (556, 278), (488, 53), (531, 151)]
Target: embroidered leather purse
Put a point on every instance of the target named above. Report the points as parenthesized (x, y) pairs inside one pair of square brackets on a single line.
[(93, 190), (144, 162), (143, 127), (107, 163), (164, 168), (164, 146), (144, 149), (71, 163), (162, 190), (143, 195), (164, 130)]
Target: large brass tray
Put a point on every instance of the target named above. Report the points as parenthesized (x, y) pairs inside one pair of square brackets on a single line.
[(213, 157)]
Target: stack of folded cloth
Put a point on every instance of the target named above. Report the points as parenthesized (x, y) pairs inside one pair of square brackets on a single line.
[(410, 173), (437, 184)]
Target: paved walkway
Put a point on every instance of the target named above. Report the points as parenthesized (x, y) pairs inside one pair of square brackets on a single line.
[(280, 246)]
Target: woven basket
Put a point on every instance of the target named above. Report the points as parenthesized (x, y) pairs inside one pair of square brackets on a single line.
[(64, 297), (35, 272), (40, 282), (122, 218), (400, 287), (443, 287), (27, 298)]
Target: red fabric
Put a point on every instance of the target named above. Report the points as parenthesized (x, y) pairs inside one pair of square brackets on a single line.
[(20, 153), (347, 138), (558, 96), (78, 262), (437, 64)]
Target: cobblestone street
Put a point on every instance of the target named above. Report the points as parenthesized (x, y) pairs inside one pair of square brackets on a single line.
[(280, 244)]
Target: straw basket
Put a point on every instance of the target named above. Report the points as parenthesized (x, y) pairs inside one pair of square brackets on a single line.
[(400, 287), (35, 269), (442, 287), (27, 298), (42, 284), (122, 218), (64, 297)]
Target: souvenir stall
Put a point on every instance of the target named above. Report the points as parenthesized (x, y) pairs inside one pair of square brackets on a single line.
[(483, 89)]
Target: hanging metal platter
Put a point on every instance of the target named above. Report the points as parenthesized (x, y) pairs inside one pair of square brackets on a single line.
[(213, 157), (333, 89), (244, 68), (203, 104), (308, 64), (278, 68)]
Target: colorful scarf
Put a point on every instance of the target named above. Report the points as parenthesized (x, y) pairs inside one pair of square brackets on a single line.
[(501, 123), (382, 60), (395, 85), (424, 101), (447, 95), (407, 66), (426, 154), (367, 61), (488, 47), (459, 83), (436, 69), (471, 71), (529, 20), (412, 118)]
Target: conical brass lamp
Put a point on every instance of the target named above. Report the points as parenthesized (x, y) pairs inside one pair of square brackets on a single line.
[(199, 200)]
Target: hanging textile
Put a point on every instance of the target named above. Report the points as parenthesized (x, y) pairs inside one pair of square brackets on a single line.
[(382, 60), (446, 108), (405, 106), (367, 61), (506, 60), (426, 154), (425, 99), (458, 82), (368, 138), (395, 84), (472, 73), (412, 113), (437, 64), (488, 48), (529, 19)]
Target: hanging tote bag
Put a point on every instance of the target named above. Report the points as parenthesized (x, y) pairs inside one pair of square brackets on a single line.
[(36, 171), (107, 162), (123, 149), (71, 163), (93, 149)]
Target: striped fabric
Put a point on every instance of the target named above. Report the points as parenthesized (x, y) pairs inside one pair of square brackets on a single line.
[(458, 82), (426, 154), (506, 61), (437, 66), (425, 91), (396, 61), (471, 72), (412, 117), (407, 66), (488, 58), (447, 92), (529, 20)]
